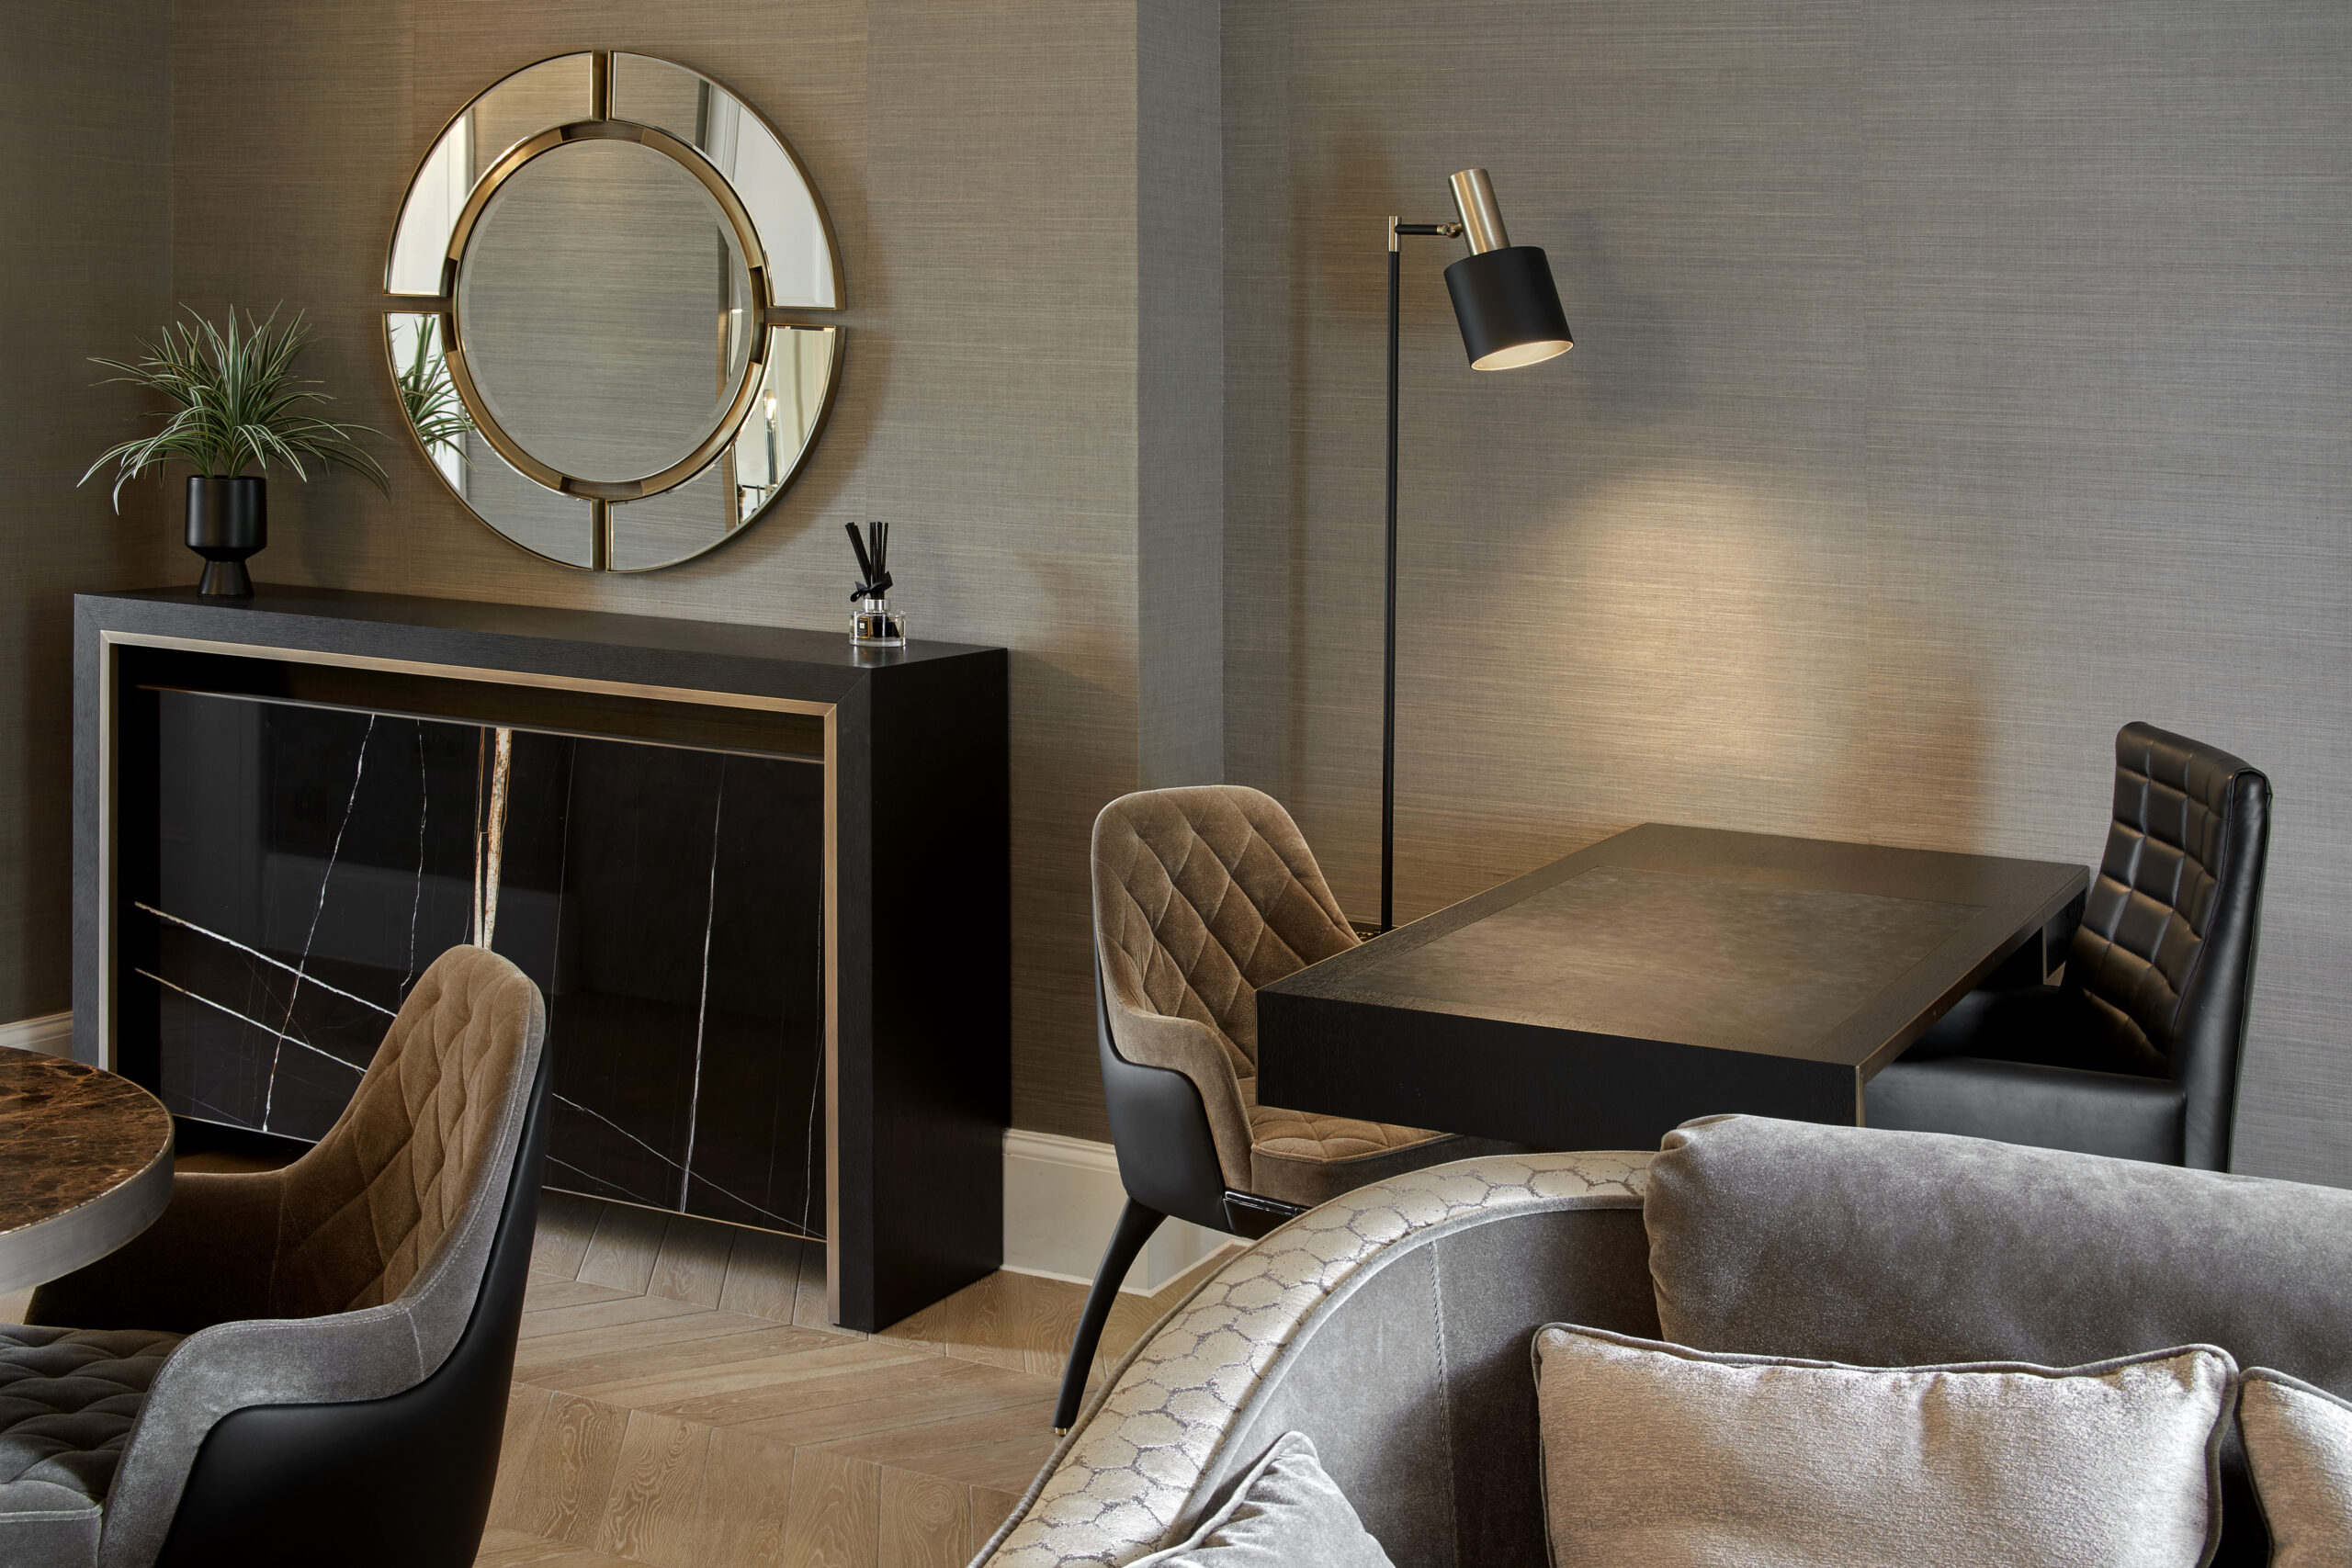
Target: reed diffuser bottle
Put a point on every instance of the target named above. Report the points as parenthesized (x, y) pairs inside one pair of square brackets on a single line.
[(874, 624)]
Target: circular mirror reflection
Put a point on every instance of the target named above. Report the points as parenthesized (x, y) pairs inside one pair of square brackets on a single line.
[(605, 311)]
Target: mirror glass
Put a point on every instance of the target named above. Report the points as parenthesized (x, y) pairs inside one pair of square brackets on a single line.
[(606, 309), (594, 275), (540, 98)]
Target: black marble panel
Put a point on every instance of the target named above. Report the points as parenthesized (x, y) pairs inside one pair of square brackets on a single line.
[(307, 863)]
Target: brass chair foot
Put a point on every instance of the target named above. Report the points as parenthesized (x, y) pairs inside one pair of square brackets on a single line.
[(1061, 1431)]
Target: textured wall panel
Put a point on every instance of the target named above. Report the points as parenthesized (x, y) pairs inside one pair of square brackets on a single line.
[(86, 268), (1954, 382)]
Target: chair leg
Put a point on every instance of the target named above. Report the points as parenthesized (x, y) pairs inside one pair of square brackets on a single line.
[(1136, 1226)]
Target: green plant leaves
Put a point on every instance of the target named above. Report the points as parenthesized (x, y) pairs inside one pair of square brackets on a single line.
[(236, 401), (430, 398)]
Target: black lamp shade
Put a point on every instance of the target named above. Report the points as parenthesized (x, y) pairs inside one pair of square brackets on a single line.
[(1509, 308)]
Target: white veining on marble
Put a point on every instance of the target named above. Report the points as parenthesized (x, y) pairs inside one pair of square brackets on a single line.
[(232, 1012), (257, 952), (303, 960), (423, 816), (702, 1007), (627, 1196), (674, 1165)]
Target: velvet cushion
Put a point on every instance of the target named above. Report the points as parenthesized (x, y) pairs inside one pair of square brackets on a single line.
[(1661, 1455), (2299, 1445), (68, 1399), (1286, 1513), (1894, 1249)]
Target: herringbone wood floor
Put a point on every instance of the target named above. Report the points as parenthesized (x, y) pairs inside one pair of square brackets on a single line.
[(679, 1401)]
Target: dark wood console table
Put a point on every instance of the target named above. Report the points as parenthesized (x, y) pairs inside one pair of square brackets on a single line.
[(1661, 974), (762, 875)]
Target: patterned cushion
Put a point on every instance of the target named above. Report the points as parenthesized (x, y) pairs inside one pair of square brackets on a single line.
[(68, 1400)]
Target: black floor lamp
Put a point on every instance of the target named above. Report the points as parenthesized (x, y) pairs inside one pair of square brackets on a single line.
[(1511, 315)]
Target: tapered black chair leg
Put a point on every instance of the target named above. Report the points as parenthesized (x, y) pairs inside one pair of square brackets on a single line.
[(1136, 1226)]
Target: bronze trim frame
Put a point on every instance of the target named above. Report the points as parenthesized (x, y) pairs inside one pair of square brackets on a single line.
[(769, 317), (110, 643)]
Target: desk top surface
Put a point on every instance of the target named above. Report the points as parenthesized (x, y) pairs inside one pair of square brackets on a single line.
[(1801, 948)]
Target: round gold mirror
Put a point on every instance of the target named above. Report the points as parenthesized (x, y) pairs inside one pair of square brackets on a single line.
[(608, 283)]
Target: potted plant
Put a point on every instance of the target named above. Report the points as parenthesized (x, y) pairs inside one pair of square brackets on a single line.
[(236, 401)]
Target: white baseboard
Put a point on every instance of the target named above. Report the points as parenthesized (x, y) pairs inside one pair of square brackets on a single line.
[(1062, 1195), (1062, 1199), (52, 1035)]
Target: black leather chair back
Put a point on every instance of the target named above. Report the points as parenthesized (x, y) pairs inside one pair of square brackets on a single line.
[(2165, 951)]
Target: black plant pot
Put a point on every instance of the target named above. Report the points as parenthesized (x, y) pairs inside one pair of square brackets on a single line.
[(227, 520)]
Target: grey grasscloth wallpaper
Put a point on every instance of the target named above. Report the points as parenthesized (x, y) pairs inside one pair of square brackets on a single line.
[(85, 266), (1954, 382), (979, 162)]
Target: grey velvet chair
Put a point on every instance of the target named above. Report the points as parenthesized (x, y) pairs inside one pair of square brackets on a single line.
[(1392, 1324), (308, 1365), (1202, 896), (2136, 1052)]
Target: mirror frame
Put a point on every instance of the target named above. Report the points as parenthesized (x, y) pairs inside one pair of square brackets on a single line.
[(601, 125)]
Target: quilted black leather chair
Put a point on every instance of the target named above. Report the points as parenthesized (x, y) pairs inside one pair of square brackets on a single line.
[(2135, 1052)]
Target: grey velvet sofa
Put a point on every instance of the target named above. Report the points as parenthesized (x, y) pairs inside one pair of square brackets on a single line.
[(1392, 1324)]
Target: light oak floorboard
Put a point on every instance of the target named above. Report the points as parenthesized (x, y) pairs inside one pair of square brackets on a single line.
[(655, 1499), (990, 1509), (712, 1354), (623, 1251), (680, 1323), (614, 1312), (834, 1518), (923, 1520), (682, 1402), (763, 1275), (691, 1264), (746, 1494), (549, 1291)]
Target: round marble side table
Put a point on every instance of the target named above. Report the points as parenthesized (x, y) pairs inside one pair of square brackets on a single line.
[(85, 1163)]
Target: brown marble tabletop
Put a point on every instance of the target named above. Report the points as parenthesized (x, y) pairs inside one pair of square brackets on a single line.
[(85, 1163), (1660, 974)]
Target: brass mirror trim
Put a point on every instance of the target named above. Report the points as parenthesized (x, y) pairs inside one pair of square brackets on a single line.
[(770, 317)]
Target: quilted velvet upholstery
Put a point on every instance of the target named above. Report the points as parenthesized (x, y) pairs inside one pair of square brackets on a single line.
[(68, 1399), (365, 1208), (346, 1276), (1202, 896)]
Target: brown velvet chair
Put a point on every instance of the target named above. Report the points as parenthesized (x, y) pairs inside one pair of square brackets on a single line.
[(308, 1365), (1201, 897)]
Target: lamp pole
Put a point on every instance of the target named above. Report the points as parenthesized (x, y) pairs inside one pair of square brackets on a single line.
[(1508, 309), (1388, 650)]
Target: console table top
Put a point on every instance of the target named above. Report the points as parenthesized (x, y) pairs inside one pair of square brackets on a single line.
[(479, 632)]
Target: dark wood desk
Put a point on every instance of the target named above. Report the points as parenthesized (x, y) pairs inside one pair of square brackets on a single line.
[(1660, 974)]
